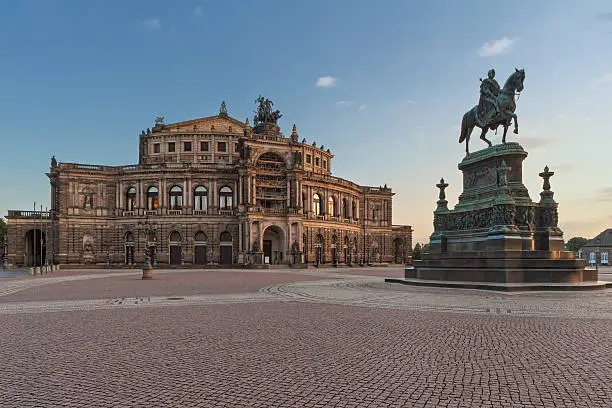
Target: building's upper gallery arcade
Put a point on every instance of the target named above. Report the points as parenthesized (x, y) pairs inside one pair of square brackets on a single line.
[(219, 166)]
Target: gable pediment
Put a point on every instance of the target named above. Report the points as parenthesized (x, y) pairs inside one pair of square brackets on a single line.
[(217, 123)]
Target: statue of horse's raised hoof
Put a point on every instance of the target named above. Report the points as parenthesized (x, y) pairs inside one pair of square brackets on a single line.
[(516, 131)]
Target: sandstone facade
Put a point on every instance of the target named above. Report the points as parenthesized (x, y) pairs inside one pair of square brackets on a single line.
[(211, 191)]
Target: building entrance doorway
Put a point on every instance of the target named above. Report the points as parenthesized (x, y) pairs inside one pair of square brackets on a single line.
[(35, 248), (267, 250), (274, 245), (175, 255), (200, 248), (129, 254), (225, 249), (200, 255)]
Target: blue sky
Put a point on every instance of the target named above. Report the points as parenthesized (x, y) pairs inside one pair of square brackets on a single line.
[(81, 80)]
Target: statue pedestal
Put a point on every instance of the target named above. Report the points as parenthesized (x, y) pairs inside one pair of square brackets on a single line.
[(496, 235), (268, 131)]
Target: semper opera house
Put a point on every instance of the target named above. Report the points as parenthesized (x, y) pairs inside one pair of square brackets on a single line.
[(211, 191)]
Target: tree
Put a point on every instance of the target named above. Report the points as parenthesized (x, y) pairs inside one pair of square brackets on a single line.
[(3, 232), (574, 244), (416, 252)]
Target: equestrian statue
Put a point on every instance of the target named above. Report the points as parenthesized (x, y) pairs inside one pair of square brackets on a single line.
[(496, 107)]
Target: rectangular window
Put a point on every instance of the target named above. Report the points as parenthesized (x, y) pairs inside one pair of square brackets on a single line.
[(221, 147), (317, 163), (203, 146), (235, 147), (187, 146), (308, 159), (156, 148), (324, 164), (171, 147)]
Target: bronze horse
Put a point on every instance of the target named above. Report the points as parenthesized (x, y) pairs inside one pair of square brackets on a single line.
[(507, 106)]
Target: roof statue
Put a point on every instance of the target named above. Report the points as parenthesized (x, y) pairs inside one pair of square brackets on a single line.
[(159, 120), (223, 108), (495, 107), (264, 113)]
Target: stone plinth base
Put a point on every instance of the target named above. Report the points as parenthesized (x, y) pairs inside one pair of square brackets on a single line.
[(503, 267), (505, 287)]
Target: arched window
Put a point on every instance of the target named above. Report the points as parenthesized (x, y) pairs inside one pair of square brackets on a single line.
[(175, 236), (200, 199), (225, 198), (152, 198), (200, 236), (130, 199), (354, 210), (129, 237), (331, 210), (225, 237), (88, 200), (345, 208), (176, 198), (316, 204)]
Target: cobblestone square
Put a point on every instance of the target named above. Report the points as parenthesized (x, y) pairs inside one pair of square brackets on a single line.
[(296, 338)]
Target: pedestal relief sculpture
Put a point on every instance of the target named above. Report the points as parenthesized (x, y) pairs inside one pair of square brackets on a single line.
[(496, 237)]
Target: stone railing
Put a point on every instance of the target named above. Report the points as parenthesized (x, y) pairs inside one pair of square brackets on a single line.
[(226, 212), (129, 213), (200, 212), (175, 212), (29, 214), (274, 211)]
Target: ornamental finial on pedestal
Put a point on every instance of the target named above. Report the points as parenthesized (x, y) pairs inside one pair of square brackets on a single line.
[(442, 203), (546, 195), (294, 135)]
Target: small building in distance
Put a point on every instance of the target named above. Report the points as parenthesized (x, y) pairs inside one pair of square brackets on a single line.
[(211, 191), (597, 250)]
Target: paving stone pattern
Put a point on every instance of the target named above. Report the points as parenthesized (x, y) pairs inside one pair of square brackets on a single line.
[(351, 341)]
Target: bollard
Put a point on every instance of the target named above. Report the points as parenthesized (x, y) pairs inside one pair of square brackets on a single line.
[(147, 270)]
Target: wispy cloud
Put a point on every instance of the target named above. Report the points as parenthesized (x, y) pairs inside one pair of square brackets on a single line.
[(344, 104), (603, 79), (605, 16), (409, 101), (604, 194), (326, 81), (534, 142), (363, 106), (496, 47), (198, 11), (565, 167), (152, 24)]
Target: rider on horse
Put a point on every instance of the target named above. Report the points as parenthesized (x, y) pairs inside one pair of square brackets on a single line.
[(488, 106)]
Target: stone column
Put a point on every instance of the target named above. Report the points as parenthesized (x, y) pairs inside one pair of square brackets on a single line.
[(121, 196), (160, 197), (215, 195), (254, 190), (288, 193), (117, 204), (235, 195), (240, 188), (240, 237), (185, 196)]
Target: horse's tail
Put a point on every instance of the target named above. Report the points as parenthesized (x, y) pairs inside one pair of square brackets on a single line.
[(464, 127)]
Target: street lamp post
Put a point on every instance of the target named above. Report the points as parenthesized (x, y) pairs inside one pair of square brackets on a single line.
[(147, 269), (318, 253)]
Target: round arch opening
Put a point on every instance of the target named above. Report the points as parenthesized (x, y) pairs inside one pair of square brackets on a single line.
[(274, 245)]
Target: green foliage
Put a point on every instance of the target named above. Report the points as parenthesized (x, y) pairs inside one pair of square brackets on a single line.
[(416, 252), (574, 244), (3, 232)]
